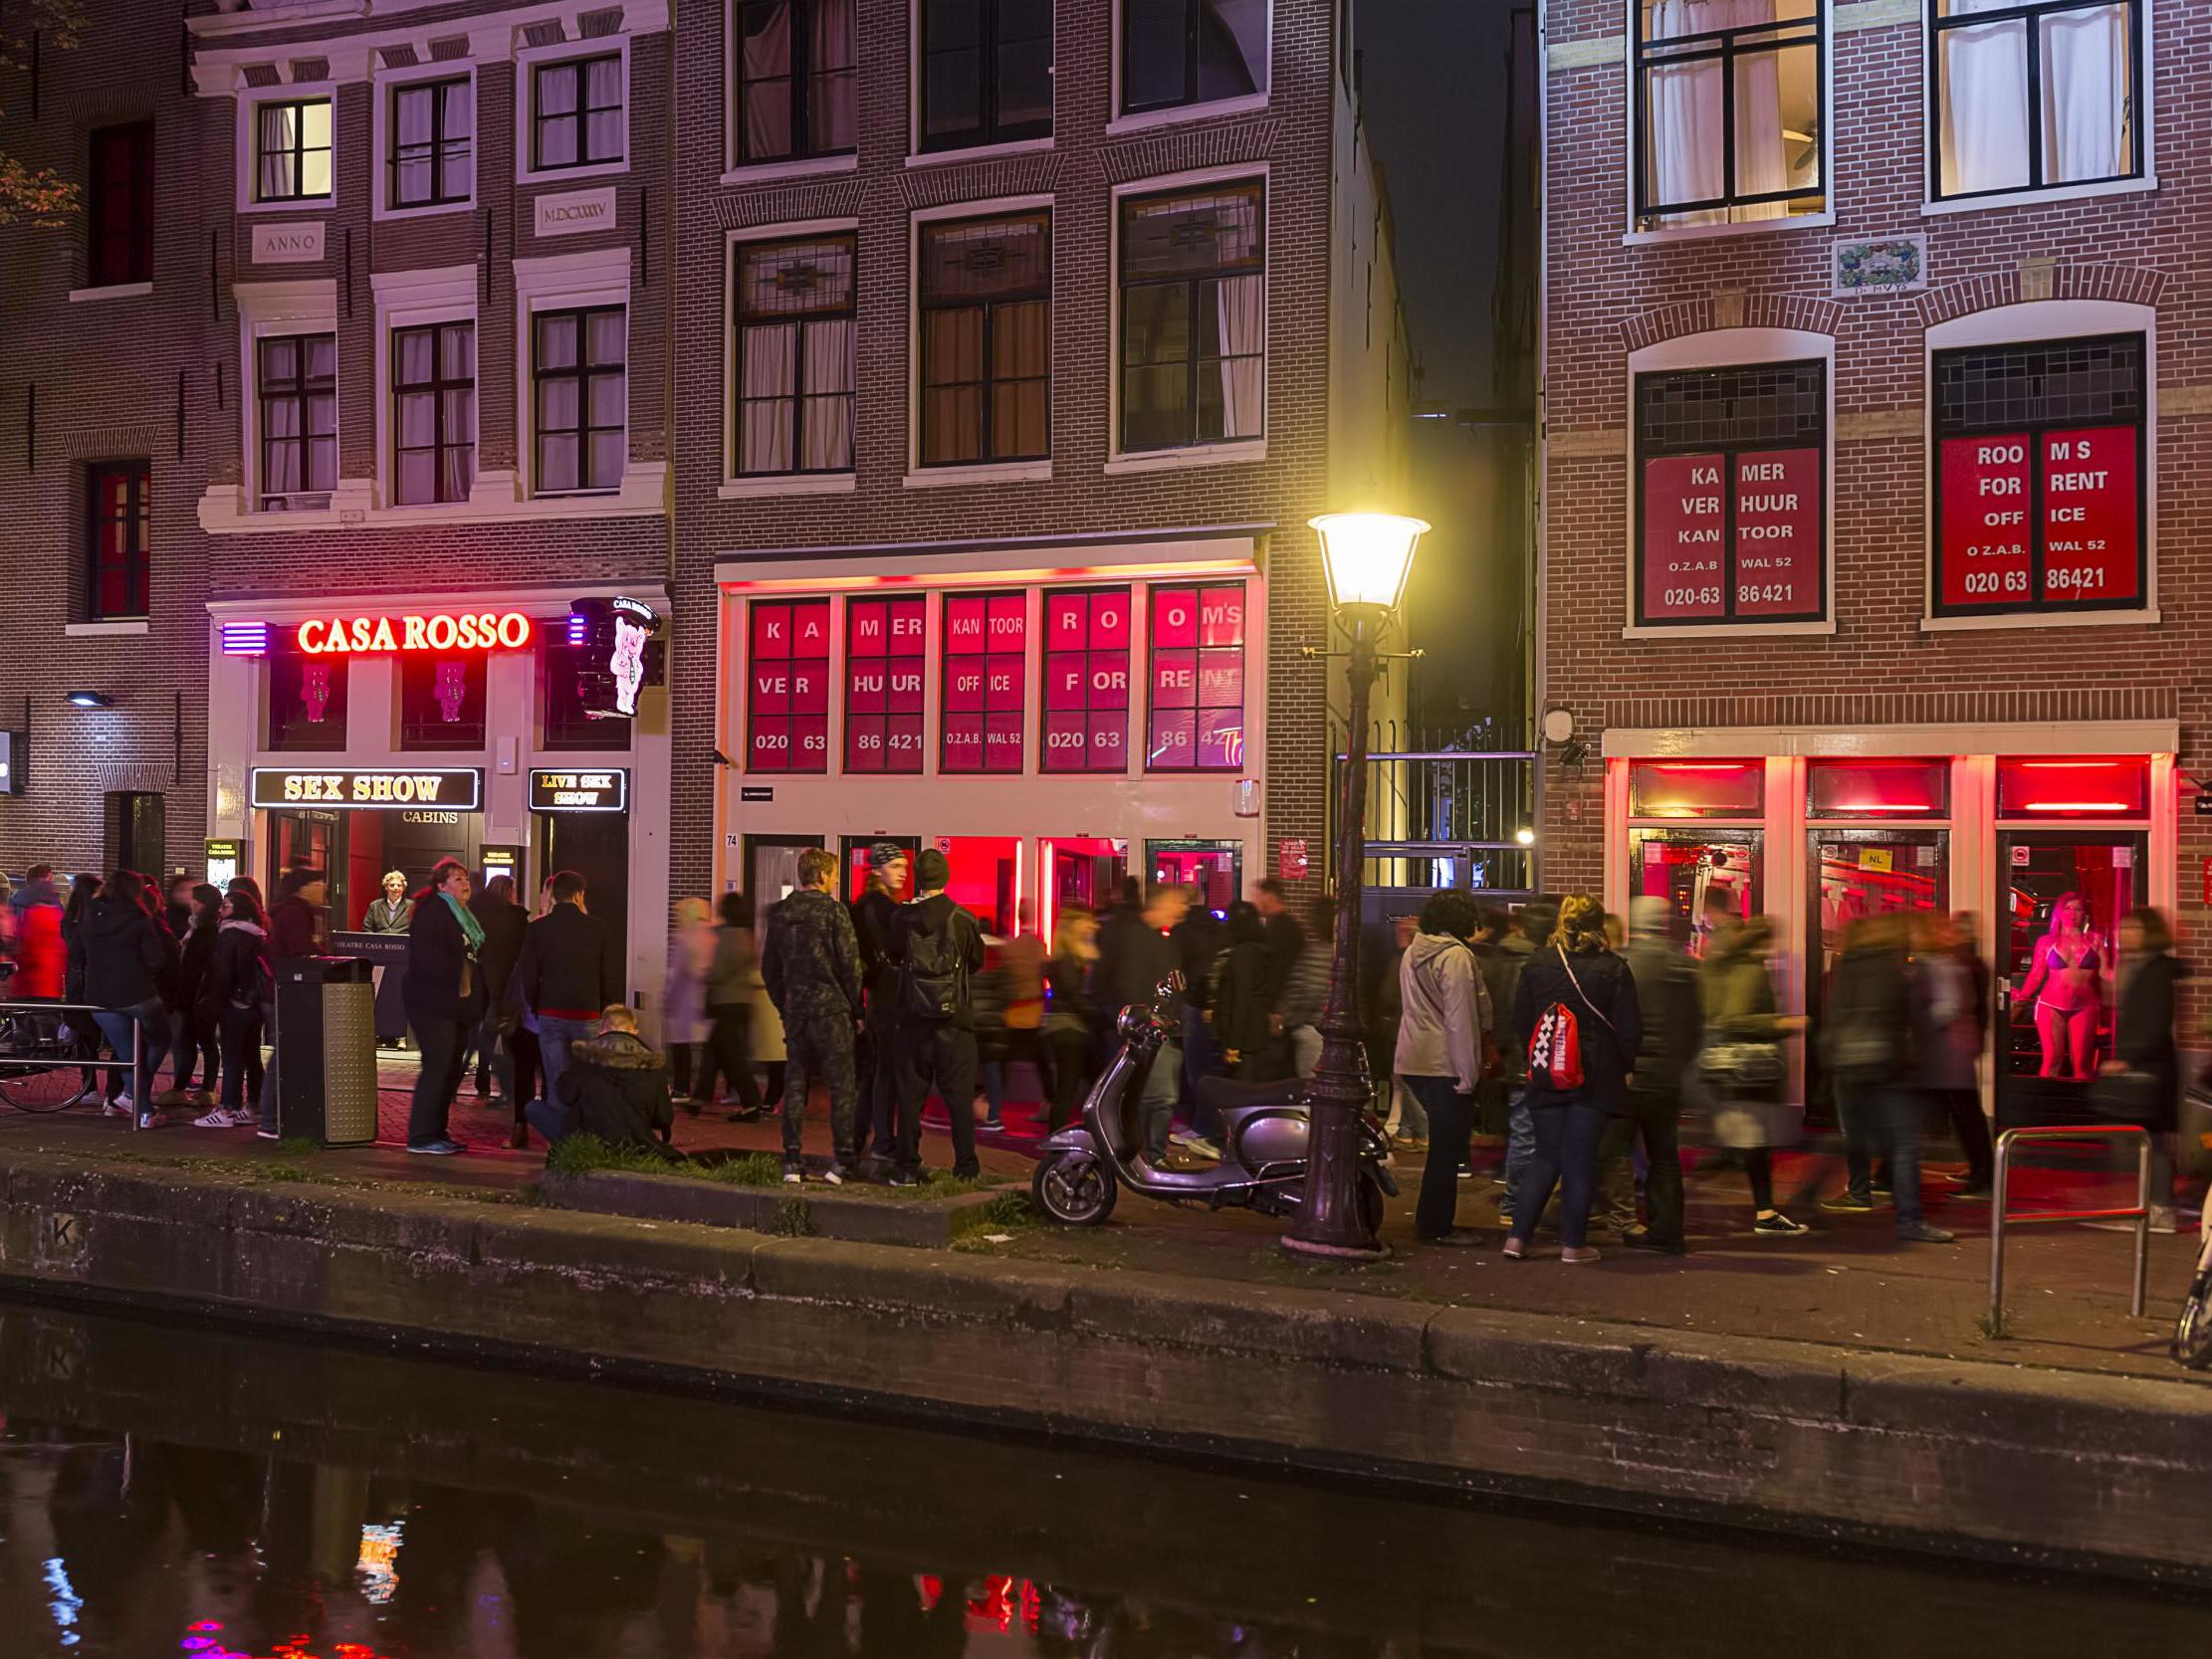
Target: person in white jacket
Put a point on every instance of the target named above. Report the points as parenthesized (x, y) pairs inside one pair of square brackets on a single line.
[(1444, 1024)]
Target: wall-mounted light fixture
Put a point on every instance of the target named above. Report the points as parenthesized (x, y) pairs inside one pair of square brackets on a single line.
[(91, 700)]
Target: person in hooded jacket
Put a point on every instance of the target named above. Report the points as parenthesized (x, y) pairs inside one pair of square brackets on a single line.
[(1238, 1000), (1574, 978), (614, 1089), (237, 984), (83, 889), (128, 952), (1443, 1016), (729, 994), (938, 950), (41, 954), (195, 1036)]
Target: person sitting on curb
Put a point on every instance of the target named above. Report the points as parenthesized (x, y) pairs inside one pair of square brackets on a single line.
[(616, 1088)]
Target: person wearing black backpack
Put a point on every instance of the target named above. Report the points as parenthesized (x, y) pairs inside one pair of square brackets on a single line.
[(1576, 1010), (937, 949)]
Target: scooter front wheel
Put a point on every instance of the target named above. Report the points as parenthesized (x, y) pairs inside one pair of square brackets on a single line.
[(2192, 1332), (1075, 1188)]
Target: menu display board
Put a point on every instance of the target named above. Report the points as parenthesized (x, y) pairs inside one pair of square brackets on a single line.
[(883, 683), (2029, 521), (1086, 680), (787, 715), (984, 713), (1196, 680), (1730, 536)]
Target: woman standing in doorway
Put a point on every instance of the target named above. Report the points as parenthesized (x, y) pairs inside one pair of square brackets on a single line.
[(2066, 985), (390, 913)]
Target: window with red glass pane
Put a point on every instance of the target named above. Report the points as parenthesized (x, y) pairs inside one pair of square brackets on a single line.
[(2113, 787), (788, 718), (984, 713), (883, 683), (120, 510), (1696, 788), (1086, 680), (1198, 680), (1878, 789)]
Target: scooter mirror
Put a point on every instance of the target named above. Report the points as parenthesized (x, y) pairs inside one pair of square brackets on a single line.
[(1172, 985)]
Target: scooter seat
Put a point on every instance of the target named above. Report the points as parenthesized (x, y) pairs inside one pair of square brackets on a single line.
[(1227, 1094)]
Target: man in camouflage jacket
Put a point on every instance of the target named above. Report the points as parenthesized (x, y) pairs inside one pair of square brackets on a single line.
[(811, 968)]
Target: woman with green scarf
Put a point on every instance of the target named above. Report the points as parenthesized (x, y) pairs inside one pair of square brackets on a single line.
[(445, 1000)]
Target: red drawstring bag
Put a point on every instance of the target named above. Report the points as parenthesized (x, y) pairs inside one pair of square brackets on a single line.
[(1555, 1048)]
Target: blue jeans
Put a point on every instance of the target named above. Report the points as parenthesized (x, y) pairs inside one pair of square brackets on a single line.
[(143, 1033), (550, 1119), (1568, 1132), (1202, 1057), (554, 1034), (1451, 1121), (1884, 1122), (1520, 1138)]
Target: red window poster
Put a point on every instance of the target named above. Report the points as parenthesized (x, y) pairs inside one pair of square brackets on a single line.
[(2089, 530), (1686, 528), (883, 683), (1196, 680), (1778, 532), (788, 715), (2071, 494), (984, 704), (1086, 680), (1983, 553)]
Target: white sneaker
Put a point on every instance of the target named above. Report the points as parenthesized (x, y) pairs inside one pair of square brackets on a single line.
[(1198, 1147), (220, 1117), (120, 1107), (152, 1120)]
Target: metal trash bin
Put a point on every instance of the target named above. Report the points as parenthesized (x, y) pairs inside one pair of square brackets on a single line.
[(326, 1050)]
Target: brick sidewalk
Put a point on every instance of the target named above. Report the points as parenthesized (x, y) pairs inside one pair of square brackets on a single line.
[(1847, 1284)]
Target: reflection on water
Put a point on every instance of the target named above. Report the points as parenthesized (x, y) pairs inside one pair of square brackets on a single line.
[(167, 1492)]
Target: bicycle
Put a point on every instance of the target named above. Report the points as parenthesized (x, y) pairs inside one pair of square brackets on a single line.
[(40, 1064)]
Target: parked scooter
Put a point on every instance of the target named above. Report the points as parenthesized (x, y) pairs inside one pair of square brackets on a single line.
[(2192, 1332), (1264, 1130)]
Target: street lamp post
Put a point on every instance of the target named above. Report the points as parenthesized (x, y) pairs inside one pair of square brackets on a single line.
[(1367, 557)]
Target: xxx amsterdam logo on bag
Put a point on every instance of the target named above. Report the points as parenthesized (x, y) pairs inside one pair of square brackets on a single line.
[(1555, 1048)]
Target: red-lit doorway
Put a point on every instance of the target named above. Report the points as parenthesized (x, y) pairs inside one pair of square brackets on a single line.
[(988, 878), (1214, 868)]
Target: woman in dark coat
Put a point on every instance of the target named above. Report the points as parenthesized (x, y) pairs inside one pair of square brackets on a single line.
[(444, 997), (1574, 976), (83, 889), (2143, 1050), (130, 955)]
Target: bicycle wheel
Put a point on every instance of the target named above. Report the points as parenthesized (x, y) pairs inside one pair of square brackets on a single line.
[(38, 1088)]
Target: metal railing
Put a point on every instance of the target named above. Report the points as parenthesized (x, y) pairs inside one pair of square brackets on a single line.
[(1434, 808), (2139, 1214), (15, 1016)]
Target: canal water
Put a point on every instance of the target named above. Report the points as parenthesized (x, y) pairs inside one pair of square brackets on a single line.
[(166, 1491)]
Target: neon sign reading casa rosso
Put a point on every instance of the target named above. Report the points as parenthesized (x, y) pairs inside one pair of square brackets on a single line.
[(466, 631)]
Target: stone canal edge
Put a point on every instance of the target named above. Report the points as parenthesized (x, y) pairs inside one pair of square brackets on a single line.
[(1983, 1459)]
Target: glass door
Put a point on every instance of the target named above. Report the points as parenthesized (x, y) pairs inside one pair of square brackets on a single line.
[(1214, 868), (1700, 872), (771, 872), (1854, 873), (856, 863), (2060, 897)]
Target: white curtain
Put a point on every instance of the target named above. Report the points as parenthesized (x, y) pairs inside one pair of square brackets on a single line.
[(771, 382), (1684, 108), (768, 108), (1984, 86), (827, 423), (2085, 102), (1242, 309), (832, 113)]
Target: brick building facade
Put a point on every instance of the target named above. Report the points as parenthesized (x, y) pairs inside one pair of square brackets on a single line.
[(1849, 426), (434, 310)]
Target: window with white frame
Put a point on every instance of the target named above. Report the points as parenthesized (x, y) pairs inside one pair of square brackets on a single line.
[(1176, 53), (986, 297), (1729, 110), (2035, 93), (433, 389), (296, 395), (430, 141), (1194, 315), (291, 149), (794, 356), (580, 399), (797, 83), (579, 114)]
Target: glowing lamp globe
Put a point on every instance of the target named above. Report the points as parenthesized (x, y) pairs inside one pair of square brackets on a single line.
[(1367, 555)]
